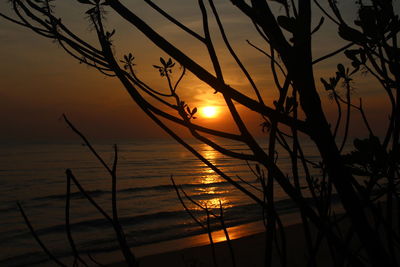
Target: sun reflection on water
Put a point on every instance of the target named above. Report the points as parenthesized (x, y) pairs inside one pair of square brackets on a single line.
[(209, 177), (214, 203)]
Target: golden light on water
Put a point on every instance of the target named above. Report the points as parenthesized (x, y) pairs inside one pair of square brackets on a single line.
[(209, 111), (215, 203), (209, 177)]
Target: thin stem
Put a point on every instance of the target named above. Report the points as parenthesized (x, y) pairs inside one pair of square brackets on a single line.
[(68, 225), (41, 244)]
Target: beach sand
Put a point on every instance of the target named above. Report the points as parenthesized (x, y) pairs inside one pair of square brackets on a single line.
[(248, 242)]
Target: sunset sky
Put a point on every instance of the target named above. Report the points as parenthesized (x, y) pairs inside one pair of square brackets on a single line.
[(39, 81)]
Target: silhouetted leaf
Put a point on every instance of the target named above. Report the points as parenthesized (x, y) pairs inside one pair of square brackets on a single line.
[(163, 61), (266, 126), (91, 11), (321, 21), (326, 84), (368, 21), (352, 54), (369, 158), (341, 69), (351, 34), (88, 2)]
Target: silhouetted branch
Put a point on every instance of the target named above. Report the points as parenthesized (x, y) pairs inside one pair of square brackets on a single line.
[(129, 257), (334, 53), (232, 52), (207, 226), (71, 242), (94, 152), (360, 179), (174, 21), (41, 244)]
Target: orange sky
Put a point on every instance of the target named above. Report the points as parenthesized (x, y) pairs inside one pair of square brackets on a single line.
[(39, 82)]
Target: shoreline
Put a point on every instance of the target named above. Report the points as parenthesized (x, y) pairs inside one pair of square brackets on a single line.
[(247, 241)]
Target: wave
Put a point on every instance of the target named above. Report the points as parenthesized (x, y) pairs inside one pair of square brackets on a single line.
[(148, 228), (158, 188), (171, 222)]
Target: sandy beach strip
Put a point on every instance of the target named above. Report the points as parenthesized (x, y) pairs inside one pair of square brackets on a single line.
[(248, 242)]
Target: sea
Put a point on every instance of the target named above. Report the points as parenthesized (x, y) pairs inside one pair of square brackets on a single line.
[(33, 174)]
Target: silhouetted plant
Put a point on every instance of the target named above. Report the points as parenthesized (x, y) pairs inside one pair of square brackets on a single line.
[(206, 226), (296, 113), (129, 257)]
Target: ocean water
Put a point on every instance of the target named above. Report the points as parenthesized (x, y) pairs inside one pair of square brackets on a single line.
[(149, 210)]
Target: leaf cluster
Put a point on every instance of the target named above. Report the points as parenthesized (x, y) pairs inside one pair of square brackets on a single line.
[(189, 113), (374, 23), (128, 61), (341, 73), (357, 56), (166, 67), (369, 157)]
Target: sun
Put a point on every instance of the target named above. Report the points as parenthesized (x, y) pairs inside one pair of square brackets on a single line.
[(209, 112)]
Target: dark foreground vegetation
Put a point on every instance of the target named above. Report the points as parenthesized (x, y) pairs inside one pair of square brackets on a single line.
[(365, 180)]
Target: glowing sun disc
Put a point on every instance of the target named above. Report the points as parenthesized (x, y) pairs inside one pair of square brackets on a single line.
[(209, 112)]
